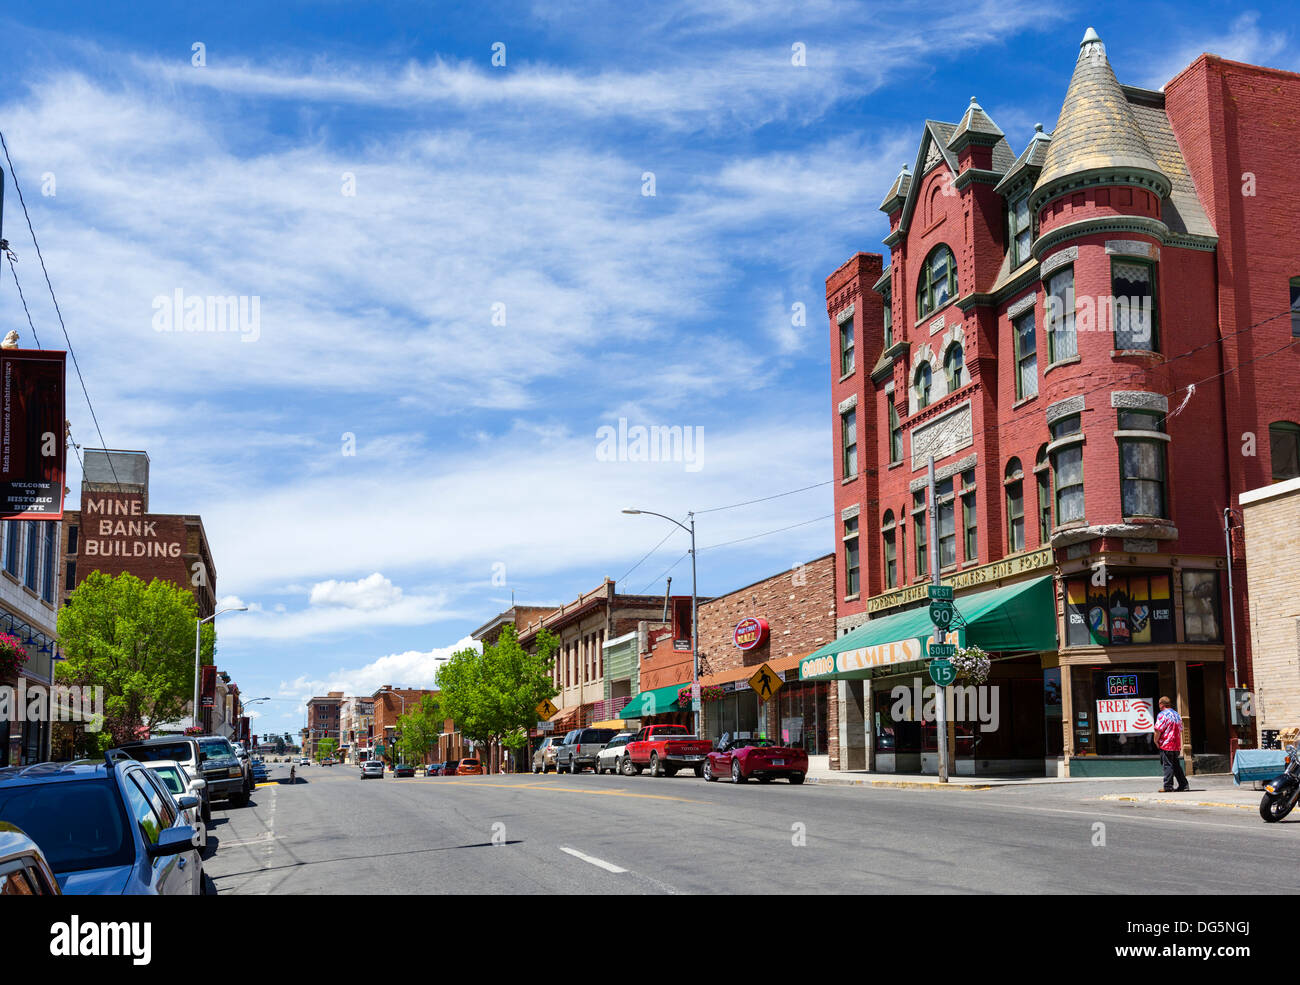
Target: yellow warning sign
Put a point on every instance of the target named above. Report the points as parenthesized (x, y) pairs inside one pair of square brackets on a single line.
[(546, 710), (766, 682)]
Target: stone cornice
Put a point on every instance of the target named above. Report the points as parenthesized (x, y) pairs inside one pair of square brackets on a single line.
[(976, 175), (1091, 177), (1099, 224)]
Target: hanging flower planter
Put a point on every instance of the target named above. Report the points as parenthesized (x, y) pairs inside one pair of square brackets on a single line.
[(972, 665), (13, 655), (708, 692)]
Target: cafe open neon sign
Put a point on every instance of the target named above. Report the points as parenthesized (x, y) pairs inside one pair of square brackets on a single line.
[(750, 633)]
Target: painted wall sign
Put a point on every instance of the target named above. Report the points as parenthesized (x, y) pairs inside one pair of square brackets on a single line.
[(750, 633), (1125, 716)]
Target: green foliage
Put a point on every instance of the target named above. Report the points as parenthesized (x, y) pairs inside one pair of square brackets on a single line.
[(325, 749), (493, 695), (137, 642), (419, 728)]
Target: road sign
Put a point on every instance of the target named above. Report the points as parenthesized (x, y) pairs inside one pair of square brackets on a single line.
[(766, 683), (943, 651), (940, 592), (546, 710), (942, 672), (941, 613)]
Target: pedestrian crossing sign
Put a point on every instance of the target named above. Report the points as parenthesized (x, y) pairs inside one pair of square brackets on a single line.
[(766, 682), (546, 710)]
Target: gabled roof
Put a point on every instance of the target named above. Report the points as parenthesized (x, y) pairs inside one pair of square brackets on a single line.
[(897, 191), (1097, 129), (976, 126), (1029, 163)]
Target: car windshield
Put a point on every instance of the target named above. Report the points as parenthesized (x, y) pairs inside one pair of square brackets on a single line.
[(598, 735), (182, 752), (78, 824), (214, 749), (171, 778)]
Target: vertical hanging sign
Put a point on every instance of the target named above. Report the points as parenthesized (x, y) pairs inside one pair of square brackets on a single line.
[(33, 434)]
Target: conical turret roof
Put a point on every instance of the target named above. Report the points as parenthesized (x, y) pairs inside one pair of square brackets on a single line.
[(1096, 129)]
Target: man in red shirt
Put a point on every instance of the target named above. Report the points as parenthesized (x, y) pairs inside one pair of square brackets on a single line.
[(1169, 738)]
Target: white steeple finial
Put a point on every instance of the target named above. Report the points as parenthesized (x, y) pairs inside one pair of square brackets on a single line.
[(1092, 46)]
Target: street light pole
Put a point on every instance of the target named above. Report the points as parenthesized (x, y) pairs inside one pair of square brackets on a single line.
[(695, 624), (194, 712)]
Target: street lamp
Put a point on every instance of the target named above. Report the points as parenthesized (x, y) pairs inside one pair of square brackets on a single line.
[(194, 715), (695, 625)]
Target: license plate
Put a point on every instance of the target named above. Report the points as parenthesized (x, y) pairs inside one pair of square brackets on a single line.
[(692, 757), (778, 762)]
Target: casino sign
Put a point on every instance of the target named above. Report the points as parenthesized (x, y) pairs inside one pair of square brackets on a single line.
[(750, 633)]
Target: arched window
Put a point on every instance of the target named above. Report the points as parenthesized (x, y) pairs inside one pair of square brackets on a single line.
[(937, 284), (953, 364), (1015, 486), (923, 380), (1284, 448), (891, 550)]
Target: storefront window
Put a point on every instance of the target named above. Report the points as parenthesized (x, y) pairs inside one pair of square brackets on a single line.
[(1114, 710), (736, 712), (804, 716), (1201, 607), (1131, 609)]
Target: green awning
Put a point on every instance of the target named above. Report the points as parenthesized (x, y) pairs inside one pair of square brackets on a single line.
[(656, 702), (1017, 617)]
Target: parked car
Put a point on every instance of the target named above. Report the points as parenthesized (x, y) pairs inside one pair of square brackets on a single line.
[(742, 756), (544, 754), (664, 749), (469, 767), (372, 767), (304, 761), (23, 868), (179, 749), (178, 784), (223, 771), (432, 769), (580, 749), (106, 826), (261, 772), (449, 767), (610, 758), (403, 769)]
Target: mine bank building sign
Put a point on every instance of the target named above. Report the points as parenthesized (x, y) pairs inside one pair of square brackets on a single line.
[(114, 526)]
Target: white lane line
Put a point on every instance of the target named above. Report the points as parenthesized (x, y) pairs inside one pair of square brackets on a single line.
[(598, 862)]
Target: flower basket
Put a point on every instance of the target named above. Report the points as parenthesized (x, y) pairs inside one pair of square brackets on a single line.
[(708, 692), (194, 730), (13, 655), (972, 665)]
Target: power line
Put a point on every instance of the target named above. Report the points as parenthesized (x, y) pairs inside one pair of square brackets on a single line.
[(764, 499), (646, 555), (10, 257), (767, 533), (663, 573), (57, 310)]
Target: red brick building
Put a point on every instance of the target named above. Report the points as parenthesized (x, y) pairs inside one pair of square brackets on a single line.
[(1094, 341), (322, 722), (388, 704), (114, 532)]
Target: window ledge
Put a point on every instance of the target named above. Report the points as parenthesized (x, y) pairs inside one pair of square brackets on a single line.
[(849, 374), (12, 577), (849, 478), (1143, 435), (924, 319), (1024, 400), (1155, 521), (1126, 353), (1068, 361), (894, 465), (853, 598)]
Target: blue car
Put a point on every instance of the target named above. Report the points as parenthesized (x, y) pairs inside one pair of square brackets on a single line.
[(106, 827)]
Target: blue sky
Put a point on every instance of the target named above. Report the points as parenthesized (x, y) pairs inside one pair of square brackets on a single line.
[(499, 287)]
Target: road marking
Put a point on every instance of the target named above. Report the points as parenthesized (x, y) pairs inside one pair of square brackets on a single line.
[(593, 793), (598, 862)]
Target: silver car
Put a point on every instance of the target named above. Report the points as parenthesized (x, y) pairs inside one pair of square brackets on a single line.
[(372, 767), (179, 784)]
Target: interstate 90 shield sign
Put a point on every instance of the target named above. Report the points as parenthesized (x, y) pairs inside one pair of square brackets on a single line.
[(32, 434)]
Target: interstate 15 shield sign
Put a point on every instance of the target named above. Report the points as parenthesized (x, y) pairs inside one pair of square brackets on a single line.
[(33, 434)]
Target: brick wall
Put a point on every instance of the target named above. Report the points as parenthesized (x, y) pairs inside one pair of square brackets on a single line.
[(1272, 547)]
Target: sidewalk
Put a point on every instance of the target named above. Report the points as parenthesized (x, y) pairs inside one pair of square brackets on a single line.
[(1215, 789)]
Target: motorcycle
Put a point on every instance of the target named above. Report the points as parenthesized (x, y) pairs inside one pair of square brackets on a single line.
[(1283, 791)]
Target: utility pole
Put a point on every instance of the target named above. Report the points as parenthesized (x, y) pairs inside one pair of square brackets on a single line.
[(940, 635)]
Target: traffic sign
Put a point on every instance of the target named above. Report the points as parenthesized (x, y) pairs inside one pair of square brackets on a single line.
[(941, 592), (943, 651), (941, 613), (942, 672), (766, 683), (546, 710)]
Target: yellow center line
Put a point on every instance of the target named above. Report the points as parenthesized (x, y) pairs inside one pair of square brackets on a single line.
[(593, 793)]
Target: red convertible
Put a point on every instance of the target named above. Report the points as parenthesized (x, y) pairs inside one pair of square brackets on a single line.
[(743, 757)]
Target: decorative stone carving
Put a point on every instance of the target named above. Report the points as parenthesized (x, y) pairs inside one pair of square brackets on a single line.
[(1139, 400), (1064, 408), (947, 433), (1058, 259), (845, 315), (961, 465), (850, 511), (848, 403), (1020, 306)]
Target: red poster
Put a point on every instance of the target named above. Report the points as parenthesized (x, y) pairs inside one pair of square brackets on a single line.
[(33, 434)]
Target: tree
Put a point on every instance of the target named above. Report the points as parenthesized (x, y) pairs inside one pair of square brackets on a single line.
[(420, 729), (279, 745), (493, 695), (137, 642), (325, 748)]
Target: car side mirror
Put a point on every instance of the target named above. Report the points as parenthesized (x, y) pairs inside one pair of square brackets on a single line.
[(173, 841), (187, 801), (198, 784)]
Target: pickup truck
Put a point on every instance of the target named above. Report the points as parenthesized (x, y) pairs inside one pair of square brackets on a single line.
[(664, 749)]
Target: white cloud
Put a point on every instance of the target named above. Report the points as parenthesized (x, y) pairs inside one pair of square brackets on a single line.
[(372, 592), (414, 669), (1242, 41)]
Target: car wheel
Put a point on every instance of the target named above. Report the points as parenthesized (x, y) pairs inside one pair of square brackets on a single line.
[(699, 771), (625, 766), (796, 778), (239, 799), (536, 770), (737, 774), (206, 813), (655, 768), (708, 771)]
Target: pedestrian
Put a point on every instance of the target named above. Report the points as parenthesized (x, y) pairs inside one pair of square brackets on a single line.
[(1169, 737)]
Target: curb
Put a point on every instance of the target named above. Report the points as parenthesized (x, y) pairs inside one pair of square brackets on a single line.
[(896, 784), (1165, 800)]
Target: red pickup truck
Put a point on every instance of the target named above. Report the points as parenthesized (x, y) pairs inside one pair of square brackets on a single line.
[(664, 749)]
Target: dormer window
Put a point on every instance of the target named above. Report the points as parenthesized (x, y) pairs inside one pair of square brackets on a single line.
[(938, 282)]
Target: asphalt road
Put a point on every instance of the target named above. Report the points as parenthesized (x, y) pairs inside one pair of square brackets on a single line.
[(332, 832)]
